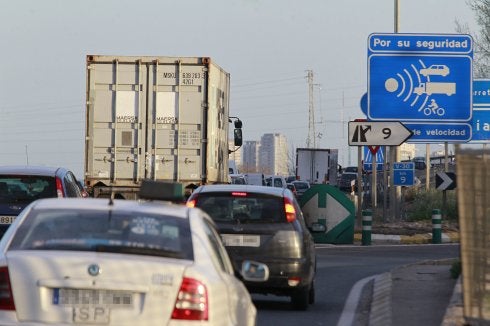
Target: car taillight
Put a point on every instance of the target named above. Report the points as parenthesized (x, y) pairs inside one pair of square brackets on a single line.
[(192, 301), (191, 203), (6, 297), (59, 188), (290, 211), (294, 281), (239, 194)]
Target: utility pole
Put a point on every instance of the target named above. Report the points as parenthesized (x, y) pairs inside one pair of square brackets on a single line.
[(311, 140)]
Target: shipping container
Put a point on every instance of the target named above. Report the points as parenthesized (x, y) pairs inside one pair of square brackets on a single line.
[(157, 118), (317, 165)]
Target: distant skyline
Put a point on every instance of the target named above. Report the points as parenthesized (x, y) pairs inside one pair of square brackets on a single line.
[(267, 46)]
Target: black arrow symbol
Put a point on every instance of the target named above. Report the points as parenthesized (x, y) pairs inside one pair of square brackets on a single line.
[(360, 134)]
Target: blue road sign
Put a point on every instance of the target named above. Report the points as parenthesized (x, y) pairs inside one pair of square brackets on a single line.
[(481, 111), (420, 77), (435, 132), (368, 159), (403, 173)]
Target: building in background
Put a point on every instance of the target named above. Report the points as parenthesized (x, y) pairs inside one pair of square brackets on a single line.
[(250, 156), (273, 154), (407, 151)]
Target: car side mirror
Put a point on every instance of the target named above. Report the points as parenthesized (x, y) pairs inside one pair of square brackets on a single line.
[(318, 228), (238, 136)]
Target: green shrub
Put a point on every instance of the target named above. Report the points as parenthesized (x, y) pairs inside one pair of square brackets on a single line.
[(456, 269), (419, 205)]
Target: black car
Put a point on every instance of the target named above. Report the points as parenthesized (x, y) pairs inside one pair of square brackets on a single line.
[(301, 187), (266, 225), (21, 185)]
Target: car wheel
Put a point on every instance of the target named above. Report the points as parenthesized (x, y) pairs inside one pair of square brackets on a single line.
[(300, 299), (311, 294)]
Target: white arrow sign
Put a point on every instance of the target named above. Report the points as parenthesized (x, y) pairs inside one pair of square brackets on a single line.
[(445, 181), (378, 133)]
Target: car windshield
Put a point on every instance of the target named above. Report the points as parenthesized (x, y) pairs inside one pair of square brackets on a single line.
[(104, 231), (244, 207), (25, 189)]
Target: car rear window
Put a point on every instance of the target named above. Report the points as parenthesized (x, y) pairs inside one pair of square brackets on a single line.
[(26, 189), (105, 231), (301, 185), (244, 206)]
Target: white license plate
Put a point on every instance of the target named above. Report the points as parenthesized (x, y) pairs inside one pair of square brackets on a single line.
[(241, 240), (91, 315), (7, 219), (99, 298)]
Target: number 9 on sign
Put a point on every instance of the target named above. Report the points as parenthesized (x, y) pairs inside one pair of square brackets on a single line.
[(386, 132)]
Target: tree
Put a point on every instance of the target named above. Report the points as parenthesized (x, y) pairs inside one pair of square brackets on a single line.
[(481, 60)]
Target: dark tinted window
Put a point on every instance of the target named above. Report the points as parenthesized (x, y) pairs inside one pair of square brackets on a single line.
[(301, 185), (25, 189), (247, 207), (71, 186), (90, 230)]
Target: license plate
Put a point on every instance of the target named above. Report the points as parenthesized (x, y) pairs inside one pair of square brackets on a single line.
[(91, 315), (85, 297), (7, 219), (241, 240)]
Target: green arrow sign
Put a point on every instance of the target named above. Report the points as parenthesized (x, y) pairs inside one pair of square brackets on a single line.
[(327, 205)]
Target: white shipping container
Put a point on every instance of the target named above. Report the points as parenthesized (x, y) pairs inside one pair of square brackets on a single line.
[(158, 118), (317, 165)]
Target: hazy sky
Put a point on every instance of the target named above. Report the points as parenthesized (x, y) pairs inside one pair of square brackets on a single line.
[(266, 46)]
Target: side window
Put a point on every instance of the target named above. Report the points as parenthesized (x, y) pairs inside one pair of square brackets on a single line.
[(219, 249)]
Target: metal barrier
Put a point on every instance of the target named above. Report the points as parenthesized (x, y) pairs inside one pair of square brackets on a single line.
[(473, 187)]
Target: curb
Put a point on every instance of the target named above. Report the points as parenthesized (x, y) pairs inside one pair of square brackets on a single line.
[(423, 238)]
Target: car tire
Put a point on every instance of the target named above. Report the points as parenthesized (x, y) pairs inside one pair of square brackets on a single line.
[(311, 294), (300, 299)]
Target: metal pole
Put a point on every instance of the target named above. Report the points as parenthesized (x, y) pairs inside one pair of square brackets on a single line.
[(446, 169), (385, 183), (359, 190), (395, 192), (427, 167), (373, 185)]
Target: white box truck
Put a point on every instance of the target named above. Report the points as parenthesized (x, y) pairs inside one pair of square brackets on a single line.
[(156, 118), (317, 165)]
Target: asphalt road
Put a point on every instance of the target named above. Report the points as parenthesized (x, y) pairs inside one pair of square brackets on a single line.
[(338, 270)]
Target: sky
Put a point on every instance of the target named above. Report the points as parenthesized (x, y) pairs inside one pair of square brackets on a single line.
[(267, 46)]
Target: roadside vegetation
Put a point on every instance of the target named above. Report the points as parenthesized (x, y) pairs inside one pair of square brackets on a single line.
[(418, 205)]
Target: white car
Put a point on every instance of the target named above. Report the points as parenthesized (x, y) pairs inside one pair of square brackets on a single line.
[(118, 262), (440, 70)]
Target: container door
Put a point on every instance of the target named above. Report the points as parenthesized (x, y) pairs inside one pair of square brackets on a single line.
[(115, 110), (175, 122)]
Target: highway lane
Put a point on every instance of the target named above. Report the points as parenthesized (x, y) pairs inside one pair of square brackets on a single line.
[(338, 270)]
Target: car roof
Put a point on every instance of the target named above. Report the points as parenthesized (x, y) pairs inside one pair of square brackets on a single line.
[(104, 204), (247, 188), (30, 170)]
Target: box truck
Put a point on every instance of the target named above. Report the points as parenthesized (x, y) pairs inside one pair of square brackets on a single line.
[(156, 118), (317, 165)]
